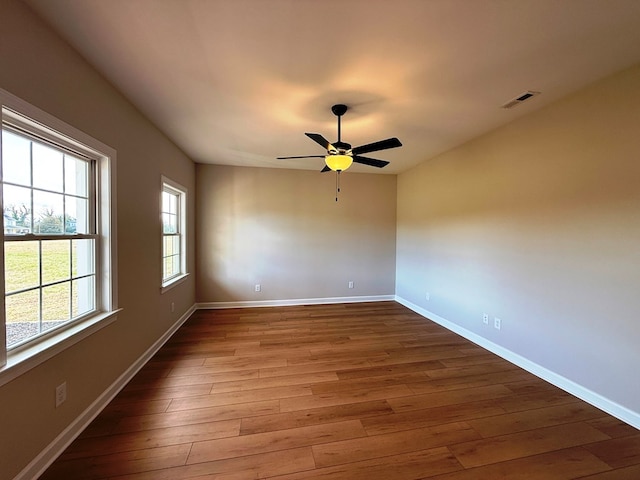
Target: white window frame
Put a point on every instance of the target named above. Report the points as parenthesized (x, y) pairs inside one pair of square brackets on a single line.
[(23, 115), (181, 192)]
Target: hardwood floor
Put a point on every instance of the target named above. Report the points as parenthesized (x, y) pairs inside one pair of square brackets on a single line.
[(350, 391)]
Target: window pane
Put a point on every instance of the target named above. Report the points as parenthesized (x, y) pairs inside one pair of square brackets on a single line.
[(166, 246), (47, 168), (22, 316), (16, 158), (70, 224), (175, 264), (56, 305), (76, 173), (170, 202), (81, 213), (167, 269), (171, 245), (82, 257), (56, 260), (48, 213), (169, 223), (171, 267), (21, 265), (17, 210), (83, 296), (166, 200), (76, 215)]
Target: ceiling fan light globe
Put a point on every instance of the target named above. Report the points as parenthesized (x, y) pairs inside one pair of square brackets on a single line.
[(338, 163)]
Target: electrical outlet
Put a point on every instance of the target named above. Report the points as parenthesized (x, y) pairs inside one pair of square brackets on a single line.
[(427, 296), (497, 323), (258, 287), (61, 394), (351, 284), (485, 319)]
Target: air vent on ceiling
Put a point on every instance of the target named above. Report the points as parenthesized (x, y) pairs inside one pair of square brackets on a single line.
[(523, 97)]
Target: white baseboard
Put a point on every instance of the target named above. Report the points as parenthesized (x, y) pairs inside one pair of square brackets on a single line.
[(295, 301), (583, 393), (46, 457)]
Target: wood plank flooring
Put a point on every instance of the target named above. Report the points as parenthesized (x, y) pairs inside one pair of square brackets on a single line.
[(350, 391)]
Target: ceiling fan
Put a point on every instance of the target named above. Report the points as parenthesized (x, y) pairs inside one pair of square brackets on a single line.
[(340, 155)]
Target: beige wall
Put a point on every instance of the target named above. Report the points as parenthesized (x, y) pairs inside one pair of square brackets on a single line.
[(538, 223), (38, 67), (284, 230)]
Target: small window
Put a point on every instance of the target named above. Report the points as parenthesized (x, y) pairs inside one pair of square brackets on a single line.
[(173, 208)]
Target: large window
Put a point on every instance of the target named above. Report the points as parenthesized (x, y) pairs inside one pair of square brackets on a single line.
[(173, 208), (57, 259), (49, 236)]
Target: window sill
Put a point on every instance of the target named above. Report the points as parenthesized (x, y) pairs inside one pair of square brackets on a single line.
[(174, 282), (31, 356)]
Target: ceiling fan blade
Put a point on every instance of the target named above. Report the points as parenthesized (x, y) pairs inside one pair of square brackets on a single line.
[(320, 140), (370, 161), (301, 156), (374, 147), (325, 169)]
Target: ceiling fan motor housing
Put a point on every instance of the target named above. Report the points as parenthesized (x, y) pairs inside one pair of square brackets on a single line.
[(339, 109), (341, 147)]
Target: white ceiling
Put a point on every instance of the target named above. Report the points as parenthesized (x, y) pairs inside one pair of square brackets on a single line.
[(239, 81)]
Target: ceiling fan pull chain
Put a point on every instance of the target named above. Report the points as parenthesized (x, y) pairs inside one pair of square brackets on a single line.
[(337, 184)]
